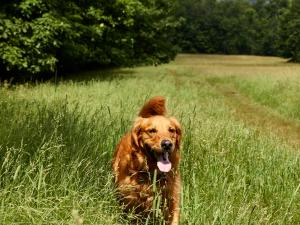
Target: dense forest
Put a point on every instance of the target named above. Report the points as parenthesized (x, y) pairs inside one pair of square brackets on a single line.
[(40, 37), (255, 27)]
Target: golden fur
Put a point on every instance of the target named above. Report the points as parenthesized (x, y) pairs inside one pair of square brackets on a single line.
[(152, 144)]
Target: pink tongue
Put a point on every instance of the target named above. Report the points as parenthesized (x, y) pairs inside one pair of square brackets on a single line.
[(163, 163)]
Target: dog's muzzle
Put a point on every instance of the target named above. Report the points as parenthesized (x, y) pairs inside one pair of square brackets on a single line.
[(166, 145)]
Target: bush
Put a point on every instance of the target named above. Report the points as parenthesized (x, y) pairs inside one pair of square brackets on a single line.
[(40, 36)]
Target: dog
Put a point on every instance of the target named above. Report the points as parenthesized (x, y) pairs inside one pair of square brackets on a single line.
[(151, 147)]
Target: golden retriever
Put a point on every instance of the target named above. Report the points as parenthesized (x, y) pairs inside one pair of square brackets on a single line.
[(151, 145)]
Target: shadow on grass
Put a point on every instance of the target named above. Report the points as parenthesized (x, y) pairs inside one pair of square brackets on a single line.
[(80, 76), (97, 75)]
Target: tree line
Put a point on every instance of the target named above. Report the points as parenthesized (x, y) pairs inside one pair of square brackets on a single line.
[(255, 27), (43, 36), (48, 36)]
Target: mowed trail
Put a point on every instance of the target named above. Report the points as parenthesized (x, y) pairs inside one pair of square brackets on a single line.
[(262, 118)]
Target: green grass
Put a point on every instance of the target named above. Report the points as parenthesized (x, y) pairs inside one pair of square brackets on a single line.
[(281, 94), (57, 141)]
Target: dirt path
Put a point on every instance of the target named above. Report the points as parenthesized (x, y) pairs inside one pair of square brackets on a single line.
[(259, 116)]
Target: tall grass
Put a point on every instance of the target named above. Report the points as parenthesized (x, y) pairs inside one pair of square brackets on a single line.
[(57, 141), (281, 94), (269, 81)]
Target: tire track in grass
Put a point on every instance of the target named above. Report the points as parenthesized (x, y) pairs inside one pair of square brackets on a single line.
[(258, 116), (251, 113)]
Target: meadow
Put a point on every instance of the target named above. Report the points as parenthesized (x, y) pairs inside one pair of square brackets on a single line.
[(240, 159)]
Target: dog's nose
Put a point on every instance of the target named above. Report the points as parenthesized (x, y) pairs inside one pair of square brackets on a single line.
[(166, 144)]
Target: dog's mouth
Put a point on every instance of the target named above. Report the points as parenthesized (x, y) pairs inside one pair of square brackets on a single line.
[(161, 157), (163, 162)]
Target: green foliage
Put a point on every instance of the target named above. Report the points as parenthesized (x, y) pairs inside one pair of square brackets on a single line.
[(261, 27), (40, 36), (290, 32), (30, 46), (230, 26)]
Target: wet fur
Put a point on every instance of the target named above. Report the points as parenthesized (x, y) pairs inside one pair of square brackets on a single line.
[(134, 164)]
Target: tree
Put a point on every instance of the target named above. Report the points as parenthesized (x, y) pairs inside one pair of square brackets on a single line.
[(231, 26), (41, 36), (290, 32), (270, 13)]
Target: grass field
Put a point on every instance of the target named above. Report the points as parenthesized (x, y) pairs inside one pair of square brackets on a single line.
[(240, 159)]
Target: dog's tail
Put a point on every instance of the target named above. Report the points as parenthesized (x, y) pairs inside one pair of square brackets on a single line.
[(154, 107)]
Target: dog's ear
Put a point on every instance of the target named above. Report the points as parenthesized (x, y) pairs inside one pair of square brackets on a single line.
[(154, 107), (178, 131), (136, 131)]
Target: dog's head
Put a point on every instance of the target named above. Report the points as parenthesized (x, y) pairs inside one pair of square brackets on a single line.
[(157, 135)]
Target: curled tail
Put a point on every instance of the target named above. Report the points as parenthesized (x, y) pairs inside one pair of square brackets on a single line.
[(154, 107)]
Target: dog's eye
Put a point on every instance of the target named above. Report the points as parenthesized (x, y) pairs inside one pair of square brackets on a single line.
[(172, 130), (152, 131)]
